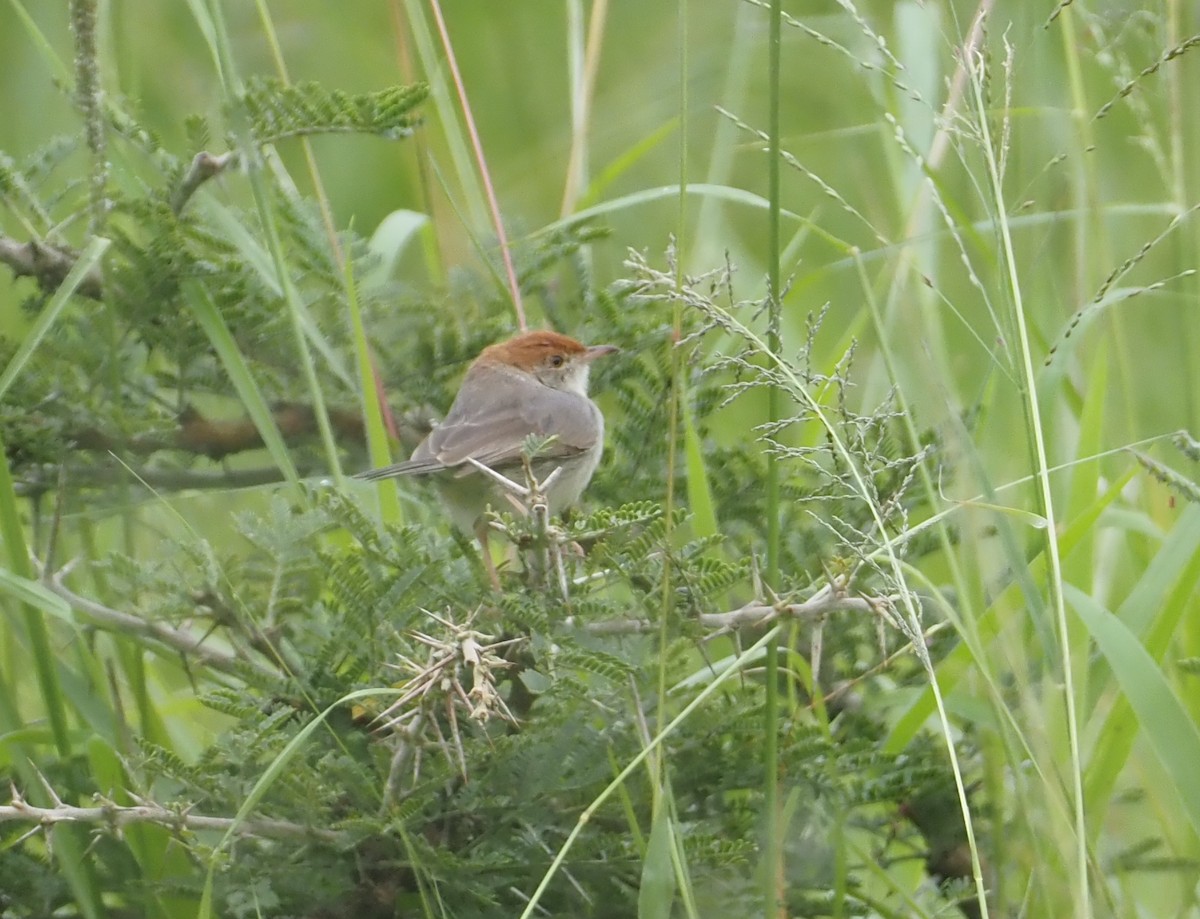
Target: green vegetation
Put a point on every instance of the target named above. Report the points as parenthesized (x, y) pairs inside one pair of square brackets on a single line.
[(882, 602)]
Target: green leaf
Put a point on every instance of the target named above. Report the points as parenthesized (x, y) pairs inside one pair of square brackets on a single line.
[(87, 260), (278, 111), (389, 240), (218, 333), (657, 890), (29, 592), (700, 499), (1160, 714), (664, 192)]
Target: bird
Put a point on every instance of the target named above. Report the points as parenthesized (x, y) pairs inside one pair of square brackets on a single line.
[(535, 383)]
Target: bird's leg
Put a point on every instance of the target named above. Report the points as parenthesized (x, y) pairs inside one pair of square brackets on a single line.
[(537, 505), (481, 534), (537, 558), (504, 481)]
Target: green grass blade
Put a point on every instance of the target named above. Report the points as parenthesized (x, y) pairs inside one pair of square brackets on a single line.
[(87, 260), (259, 258), (667, 193), (1152, 612), (213, 324), (33, 594), (1161, 716), (12, 529), (626, 161), (657, 890), (956, 664), (59, 69), (371, 394), (700, 500)]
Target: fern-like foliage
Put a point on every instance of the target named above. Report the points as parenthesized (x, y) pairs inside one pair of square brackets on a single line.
[(277, 111), (146, 327)]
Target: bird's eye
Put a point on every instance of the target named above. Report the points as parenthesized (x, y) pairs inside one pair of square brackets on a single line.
[(556, 360)]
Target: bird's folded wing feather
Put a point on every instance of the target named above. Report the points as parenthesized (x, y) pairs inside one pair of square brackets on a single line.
[(494, 434)]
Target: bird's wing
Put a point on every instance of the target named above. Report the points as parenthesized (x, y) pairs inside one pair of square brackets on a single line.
[(494, 434), (492, 430)]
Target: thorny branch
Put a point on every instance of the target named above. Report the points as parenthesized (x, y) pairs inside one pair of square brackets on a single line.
[(196, 434), (465, 652), (49, 264), (829, 599), (204, 166), (218, 438), (826, 601), (180, 640), (117, 817)]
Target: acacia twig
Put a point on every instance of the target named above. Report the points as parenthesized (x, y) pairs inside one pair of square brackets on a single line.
[(159, 479), (117, 817), (180, 640), (48, 265), (204, 166), (756, 613), (218, 438)]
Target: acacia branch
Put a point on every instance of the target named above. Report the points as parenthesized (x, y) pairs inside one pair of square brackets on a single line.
[(180, 640), (48, 265), (159, 479), (825, 601), (117, 817), (219, 438), (204, 166), (215, 439)]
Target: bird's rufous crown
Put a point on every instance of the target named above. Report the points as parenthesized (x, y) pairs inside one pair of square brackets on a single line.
[(531, 349)]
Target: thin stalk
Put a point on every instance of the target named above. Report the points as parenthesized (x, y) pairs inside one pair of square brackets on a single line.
[(1179, 106), (584, 67), (443, 104), (1083, 895), (89, 96), (264, 17), (773, 875), (510, 271), (41, 658), (965, 623), (266, 213), (674, 403), (373, 400), (433, 243), (1092, 244)]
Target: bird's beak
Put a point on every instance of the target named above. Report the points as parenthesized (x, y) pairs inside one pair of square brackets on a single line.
[(596, 351)]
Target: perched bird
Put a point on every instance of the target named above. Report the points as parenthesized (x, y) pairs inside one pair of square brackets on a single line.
[(535, 383)]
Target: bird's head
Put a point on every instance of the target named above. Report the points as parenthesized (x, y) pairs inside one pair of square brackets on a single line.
[(556, 360)]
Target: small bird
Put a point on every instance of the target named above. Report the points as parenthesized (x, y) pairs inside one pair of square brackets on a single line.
[(535, 383)]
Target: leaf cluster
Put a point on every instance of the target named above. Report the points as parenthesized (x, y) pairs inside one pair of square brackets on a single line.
[(130, 357)]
